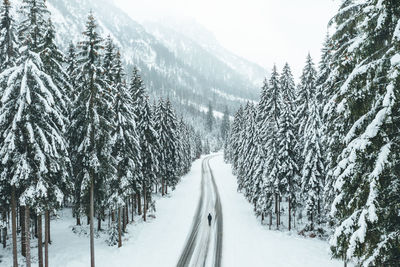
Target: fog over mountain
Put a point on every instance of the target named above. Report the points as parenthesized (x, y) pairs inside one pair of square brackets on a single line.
[(179, 60)]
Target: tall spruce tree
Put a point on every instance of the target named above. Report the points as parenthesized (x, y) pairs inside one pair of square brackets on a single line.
[(225, 125), (313, 169), (34, 150), (287, 143), (273, 159), (90, 123), (126, 149), (367, 104), (306, 90), (8, 57)]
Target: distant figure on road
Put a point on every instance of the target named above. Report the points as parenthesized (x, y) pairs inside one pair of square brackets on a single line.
[(209, 219)]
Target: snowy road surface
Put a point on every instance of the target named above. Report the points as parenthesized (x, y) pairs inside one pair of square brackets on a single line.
[(203, 247)]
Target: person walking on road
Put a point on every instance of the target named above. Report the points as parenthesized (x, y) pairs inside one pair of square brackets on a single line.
[(209, 219)]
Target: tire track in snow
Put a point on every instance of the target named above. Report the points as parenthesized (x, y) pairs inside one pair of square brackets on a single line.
[(204, 243)]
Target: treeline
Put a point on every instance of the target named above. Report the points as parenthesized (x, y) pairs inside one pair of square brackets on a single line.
[(330, 146), (75, 131)]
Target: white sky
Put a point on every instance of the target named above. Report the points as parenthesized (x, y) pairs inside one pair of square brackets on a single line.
[(263, 31)]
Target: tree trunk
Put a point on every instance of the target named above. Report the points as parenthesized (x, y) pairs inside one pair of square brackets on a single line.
[(290, 215), (27, 237), (166, 189), (35, 232), (91, 215), (262, 217), (127, 211), (162, 187), (48, 226), (40, 242), (270, 220), (132, 208), (144, 202), (46, 237), (139, 198), (78, 220), (14, 227), (119, 228), (122, 210), (99, 222), (5, 229), (22, 222), (277, 211)]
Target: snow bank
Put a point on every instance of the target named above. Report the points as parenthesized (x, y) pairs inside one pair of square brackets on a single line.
[(158, 242), (249, 243)]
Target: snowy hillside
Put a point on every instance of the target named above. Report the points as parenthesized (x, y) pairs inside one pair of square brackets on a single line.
[(171, 63)]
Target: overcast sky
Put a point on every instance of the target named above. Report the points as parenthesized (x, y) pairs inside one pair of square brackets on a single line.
[(263, 31)]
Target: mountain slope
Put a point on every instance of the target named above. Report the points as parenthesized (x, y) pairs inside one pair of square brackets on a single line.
[(191, 76)]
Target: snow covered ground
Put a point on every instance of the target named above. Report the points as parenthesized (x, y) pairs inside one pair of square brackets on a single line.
[(248, 243), (158, 242)]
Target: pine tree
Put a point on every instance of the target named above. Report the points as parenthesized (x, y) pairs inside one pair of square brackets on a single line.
[(8, 39), (306, 90), (149, 146), (246, 159), (366, 173), (71, 70), (210, 118), (33, 123), (90, 128), (8, 57), (225, 125), (126, 149), (272, 161), (261, 195), (287, 142), (313, 171)]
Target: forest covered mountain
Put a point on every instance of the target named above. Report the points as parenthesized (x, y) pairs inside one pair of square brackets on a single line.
[(192, 72)]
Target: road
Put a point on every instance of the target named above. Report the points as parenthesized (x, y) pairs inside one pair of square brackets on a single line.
[(203, 246)]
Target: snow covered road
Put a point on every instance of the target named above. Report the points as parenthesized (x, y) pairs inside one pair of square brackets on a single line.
[(204, 243)]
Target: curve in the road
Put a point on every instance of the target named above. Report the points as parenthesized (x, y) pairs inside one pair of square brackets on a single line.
[(203, 246)]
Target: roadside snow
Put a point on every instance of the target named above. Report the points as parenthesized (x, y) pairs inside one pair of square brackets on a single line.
[(248, 243), (158, 242)]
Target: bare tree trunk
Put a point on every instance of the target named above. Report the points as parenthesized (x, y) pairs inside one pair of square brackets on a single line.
[(122, 210), (166, 189), (46, 237), (277, 211), (14, 227), (119, 228), (162, 187), (27, 237), (5, 229), (99, 221), (132, 208), (290, 216), (294, 218), (139, 198), (127, 211), (144, 202), (35, 230), (91, 215), (48, 226), (40, 240), (270, 220), (22, 222)]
